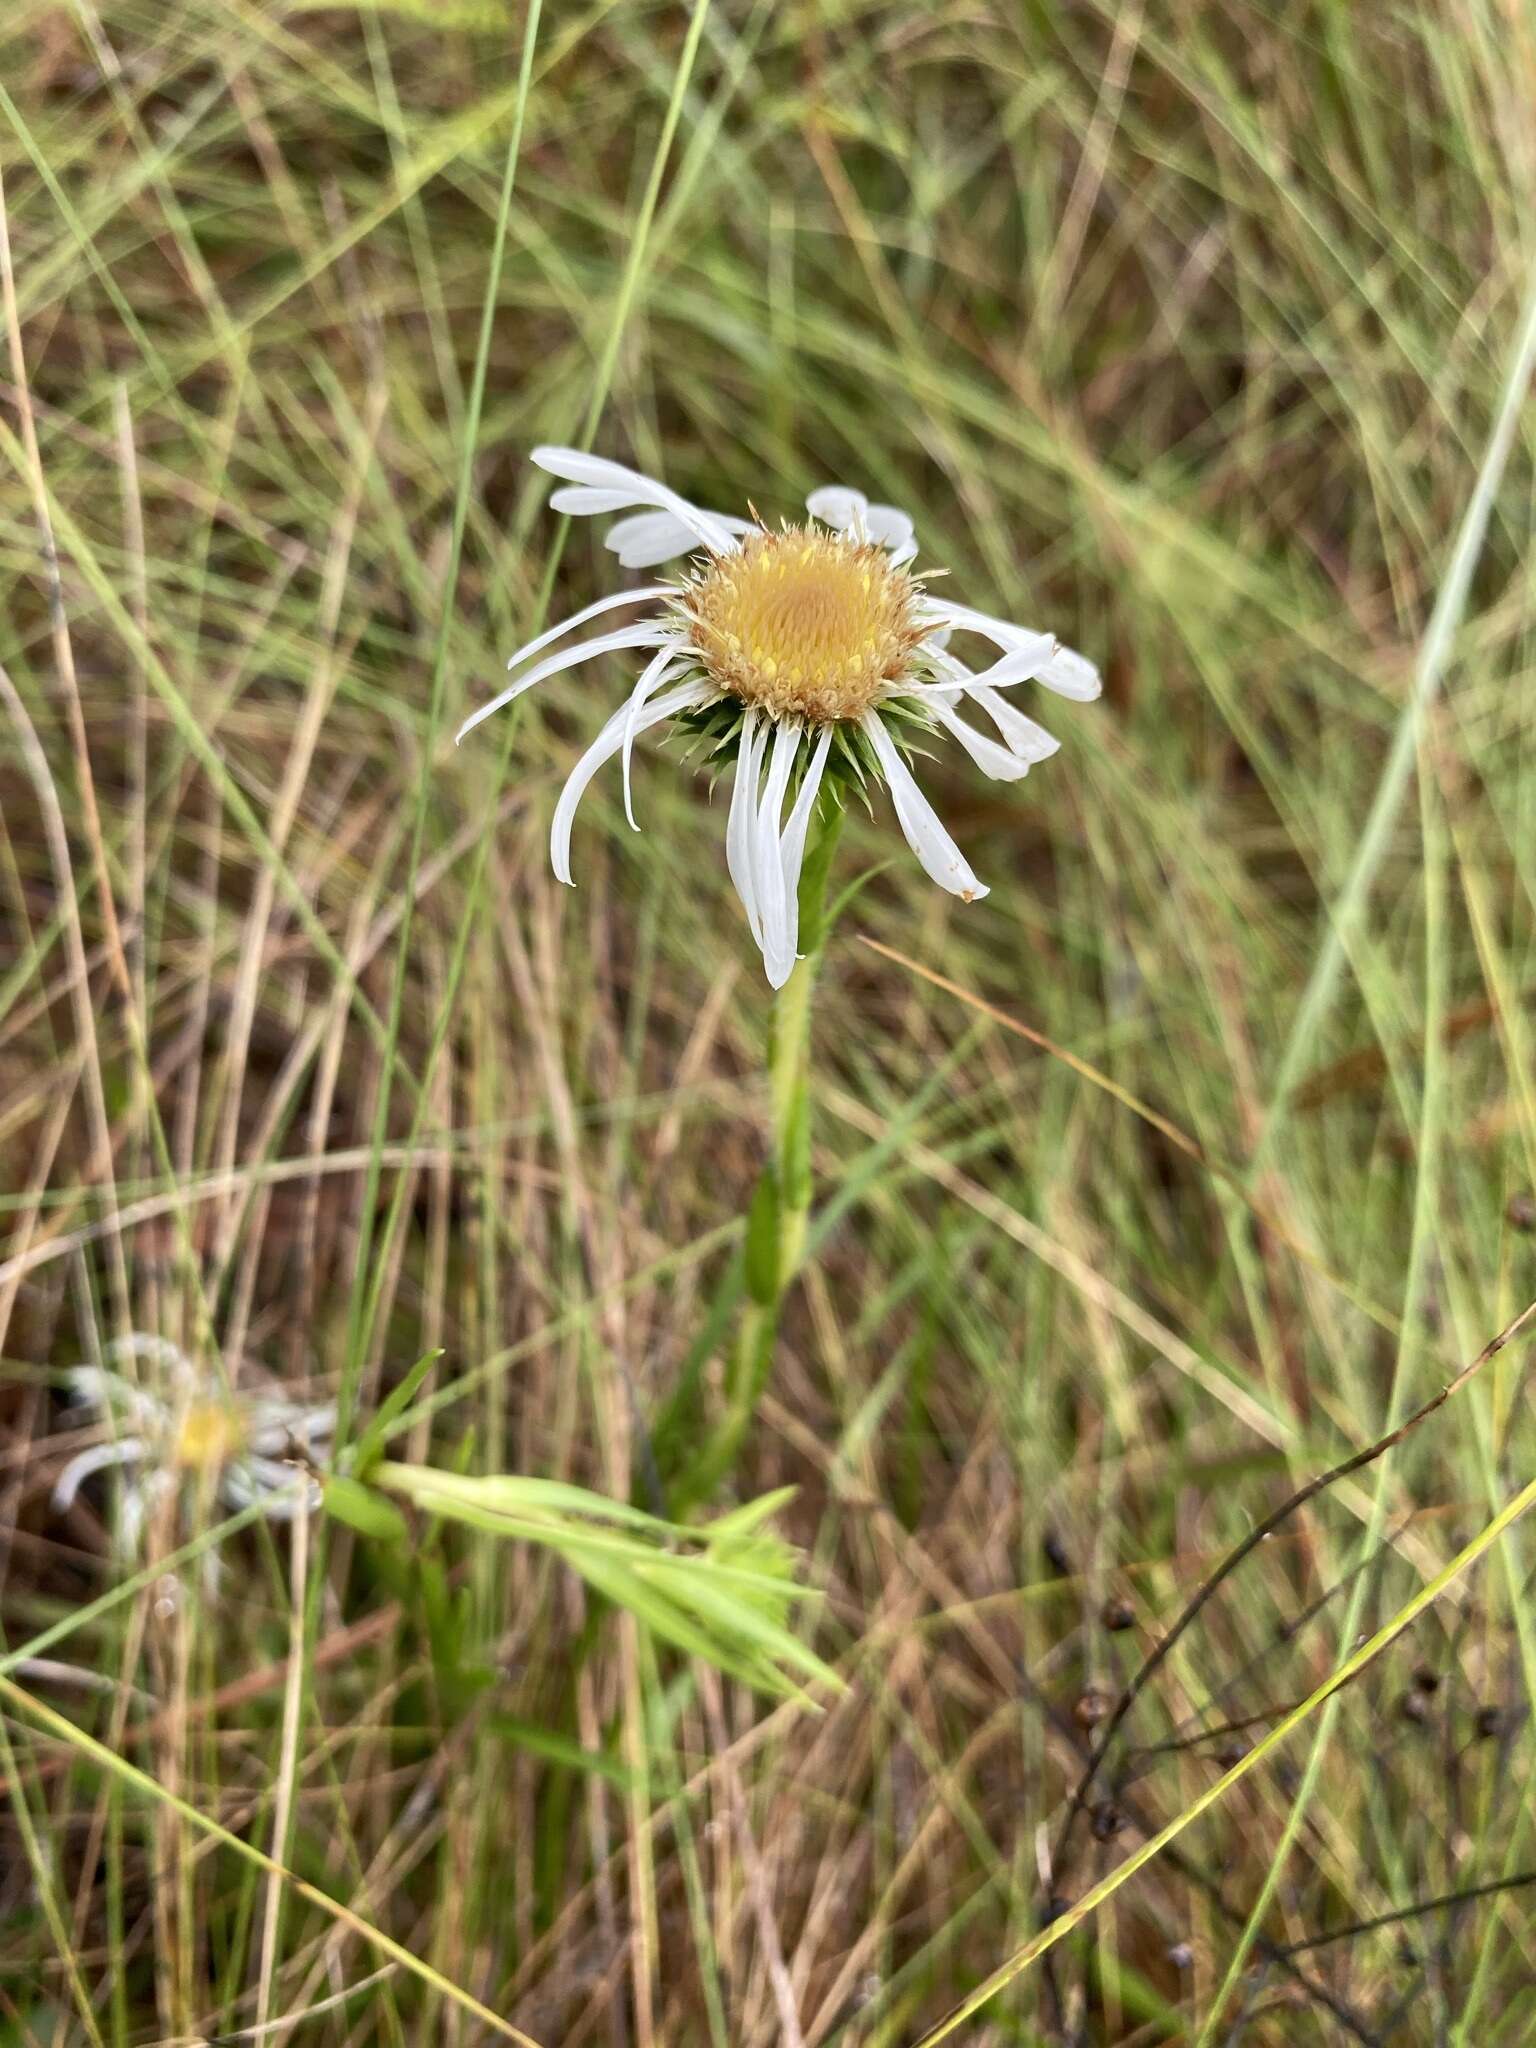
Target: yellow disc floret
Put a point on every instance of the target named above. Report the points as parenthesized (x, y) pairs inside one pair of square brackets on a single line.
[(804, 624), (208, 1436)]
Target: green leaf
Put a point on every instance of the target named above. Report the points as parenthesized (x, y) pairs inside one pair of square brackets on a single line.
[(363, 1509), (370, 1443), (723, 1591), (559, 1749)]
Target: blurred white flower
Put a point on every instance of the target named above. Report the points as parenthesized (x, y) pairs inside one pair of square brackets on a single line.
[(810, 649), (170, 1424)]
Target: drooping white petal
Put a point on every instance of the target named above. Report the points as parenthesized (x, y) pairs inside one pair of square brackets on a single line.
[(889, 525), (743, 815), (768, 859), (611, 603), (149, 1349), (276, 1424), (581, 501), (655, 673), (126, 1451), (1071, 674), (93, 1386), (648, 634), (849, 511), (836, 506), (1023, 737), (1063, 670), (792, 849), (941, 859), (277, 1486), (646, 538), (1024, 653), (1029, 741), (610, 487), (608, 743), (1000, 762)]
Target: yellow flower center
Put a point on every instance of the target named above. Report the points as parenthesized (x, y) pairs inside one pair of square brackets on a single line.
[(209, 1435), (804, 624)]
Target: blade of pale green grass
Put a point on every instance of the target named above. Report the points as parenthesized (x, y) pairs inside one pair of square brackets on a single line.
[(358, 1322), (1347, 910), (140, 1781)]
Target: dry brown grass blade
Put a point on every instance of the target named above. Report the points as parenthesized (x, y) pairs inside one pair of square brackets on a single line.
[(1229, 1176), (129, 1774)]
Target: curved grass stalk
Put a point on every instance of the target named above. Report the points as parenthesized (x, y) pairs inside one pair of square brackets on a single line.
[(1081, 1909)]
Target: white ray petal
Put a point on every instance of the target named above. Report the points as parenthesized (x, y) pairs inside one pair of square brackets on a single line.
[(1025, 654), (655, 673), (1029, 741), (792, 849), (836, 506), (93, 1386), (610, 487), (646, 538), (1071, 674), (941, 859), (1063, 670), (743, 813), (126, 1451), (608, 743), (965, 618), (610, 603), (1000, 762), (276, 1424), (768, 860), (276, 1485), (889, 525), (157, 1350), (849, 511), (581, 501), (650, 634)]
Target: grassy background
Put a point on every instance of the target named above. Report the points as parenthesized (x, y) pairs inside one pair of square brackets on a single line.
[(1182, 330)]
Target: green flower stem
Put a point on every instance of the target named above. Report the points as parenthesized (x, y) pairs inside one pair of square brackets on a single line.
[(781, 1203)]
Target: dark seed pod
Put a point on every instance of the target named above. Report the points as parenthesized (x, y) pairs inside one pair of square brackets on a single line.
[(1106, 1820), (1118, 1614), (1490, 1721), (1055, 1552), (1231, 1752), (1427, 1680), (1092, 1706)]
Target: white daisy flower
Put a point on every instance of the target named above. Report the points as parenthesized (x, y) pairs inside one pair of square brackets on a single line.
[(812, 649), (169, 1425)]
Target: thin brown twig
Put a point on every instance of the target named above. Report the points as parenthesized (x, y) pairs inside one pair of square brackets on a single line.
[(1416, 1911), (1235, 1557)]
